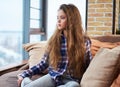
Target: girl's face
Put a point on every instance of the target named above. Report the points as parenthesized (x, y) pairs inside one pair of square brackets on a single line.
[(61, 20)]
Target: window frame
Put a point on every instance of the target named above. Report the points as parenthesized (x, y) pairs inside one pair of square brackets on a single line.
[(27, 30)]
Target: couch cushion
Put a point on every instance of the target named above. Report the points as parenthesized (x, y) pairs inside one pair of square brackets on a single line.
[(103, 69), (36, 51), (9, 79), (96, 45)]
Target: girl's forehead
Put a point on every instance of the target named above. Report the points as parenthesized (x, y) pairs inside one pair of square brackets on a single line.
[(61, 12)]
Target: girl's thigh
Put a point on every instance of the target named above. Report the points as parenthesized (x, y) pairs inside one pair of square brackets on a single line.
[(44, 81), (70, 84)]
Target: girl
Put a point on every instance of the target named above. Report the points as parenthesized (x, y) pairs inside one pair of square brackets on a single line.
[(67, 55)]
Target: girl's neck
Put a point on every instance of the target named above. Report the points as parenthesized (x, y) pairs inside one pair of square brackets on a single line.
[(65, 33)]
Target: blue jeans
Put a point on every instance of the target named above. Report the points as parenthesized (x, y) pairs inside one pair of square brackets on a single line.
[(46, 81)]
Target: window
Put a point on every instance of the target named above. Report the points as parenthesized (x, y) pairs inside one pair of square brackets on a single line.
[(34, 12), (34, 21), (10, 31), (21, 21)]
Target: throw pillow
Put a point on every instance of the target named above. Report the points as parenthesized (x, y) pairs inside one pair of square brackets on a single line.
[(103, 68), (36, 51)]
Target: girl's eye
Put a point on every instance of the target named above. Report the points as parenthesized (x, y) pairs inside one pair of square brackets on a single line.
[(62, 17)]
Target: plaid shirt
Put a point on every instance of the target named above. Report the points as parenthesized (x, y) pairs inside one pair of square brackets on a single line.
[(56, 75)]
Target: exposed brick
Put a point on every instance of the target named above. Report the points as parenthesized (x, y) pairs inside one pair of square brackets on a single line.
[(96, 5), (91, 1), (91, 28), (104, 28), (100, 17), (108, 5), (108, 24), (95, 33), (104, 1), (95, 24), (104, 19), (91, 10), (91, 19), (108, 33), (95, 14), (108, 14), (104, 10)]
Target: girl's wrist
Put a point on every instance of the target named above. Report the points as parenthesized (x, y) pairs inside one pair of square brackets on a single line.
[(20, 77)]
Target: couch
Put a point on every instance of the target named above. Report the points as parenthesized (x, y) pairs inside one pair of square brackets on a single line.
[(102, 47)]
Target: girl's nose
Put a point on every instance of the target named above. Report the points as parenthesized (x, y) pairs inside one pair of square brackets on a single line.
[(58, 20)]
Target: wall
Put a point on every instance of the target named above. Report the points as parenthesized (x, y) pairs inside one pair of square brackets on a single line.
[(100, 17)]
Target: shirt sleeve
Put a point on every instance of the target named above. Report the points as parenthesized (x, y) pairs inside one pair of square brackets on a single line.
[(88, 54), (37, 69)]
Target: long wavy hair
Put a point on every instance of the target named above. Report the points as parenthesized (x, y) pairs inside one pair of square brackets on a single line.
[(75, 42)]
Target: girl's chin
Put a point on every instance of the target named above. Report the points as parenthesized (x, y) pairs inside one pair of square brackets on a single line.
[(60, 28)]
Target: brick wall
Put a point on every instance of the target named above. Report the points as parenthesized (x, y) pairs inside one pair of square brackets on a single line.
[(100, 17)]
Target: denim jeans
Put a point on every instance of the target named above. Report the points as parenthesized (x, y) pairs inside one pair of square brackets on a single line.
[(46, 81)]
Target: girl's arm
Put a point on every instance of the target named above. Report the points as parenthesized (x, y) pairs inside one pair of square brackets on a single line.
[(39, 68), (88, 54)]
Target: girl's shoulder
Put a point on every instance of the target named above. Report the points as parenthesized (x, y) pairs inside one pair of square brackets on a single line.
[(87, 39)]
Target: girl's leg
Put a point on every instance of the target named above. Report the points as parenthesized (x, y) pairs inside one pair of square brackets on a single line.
[(44, 81), (25, 81), (69, 83), (72, 84)]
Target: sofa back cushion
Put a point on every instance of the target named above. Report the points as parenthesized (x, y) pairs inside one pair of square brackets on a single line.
[(36, 51), (96, 45)]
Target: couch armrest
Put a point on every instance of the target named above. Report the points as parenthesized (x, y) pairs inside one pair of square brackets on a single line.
[(12, 67), (24, 67), (108, 38)]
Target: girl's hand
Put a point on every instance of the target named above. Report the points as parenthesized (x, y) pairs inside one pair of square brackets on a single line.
[(20, 78)]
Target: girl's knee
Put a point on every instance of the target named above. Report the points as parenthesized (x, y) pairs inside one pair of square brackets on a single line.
[(25, 81), (72, 84)]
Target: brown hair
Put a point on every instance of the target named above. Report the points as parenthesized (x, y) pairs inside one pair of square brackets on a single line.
[(75, 41)]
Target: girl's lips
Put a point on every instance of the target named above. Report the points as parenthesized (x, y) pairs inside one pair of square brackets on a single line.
[(59, 24)]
